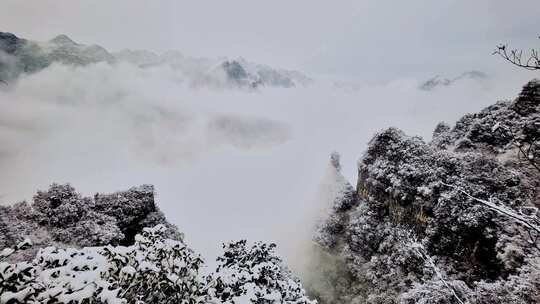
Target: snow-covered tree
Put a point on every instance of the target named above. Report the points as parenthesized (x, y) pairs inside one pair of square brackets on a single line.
[(152, 270), (60, 216), (256, 274)]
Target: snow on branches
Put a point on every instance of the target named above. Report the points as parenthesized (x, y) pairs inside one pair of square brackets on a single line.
[(152, 270), (257, 274)]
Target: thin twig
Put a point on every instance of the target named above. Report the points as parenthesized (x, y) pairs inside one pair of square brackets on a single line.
[(515, 57)]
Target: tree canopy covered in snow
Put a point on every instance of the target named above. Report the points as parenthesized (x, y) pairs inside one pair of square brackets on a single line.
[(152, 270), (62, 217), (454, 220)]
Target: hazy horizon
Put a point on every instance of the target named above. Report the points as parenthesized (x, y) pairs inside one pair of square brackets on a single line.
[(356, 40)]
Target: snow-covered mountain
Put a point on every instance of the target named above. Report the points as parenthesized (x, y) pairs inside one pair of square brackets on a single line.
[(19, 55), (64, 50), (454, 220), (236, 72)]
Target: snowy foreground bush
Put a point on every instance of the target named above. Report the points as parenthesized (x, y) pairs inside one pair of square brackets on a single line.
[(152, 270)]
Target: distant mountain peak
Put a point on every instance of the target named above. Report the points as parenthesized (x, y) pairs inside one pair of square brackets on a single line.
[(6, 36), (439, 81), (473, 74), (62, 39)]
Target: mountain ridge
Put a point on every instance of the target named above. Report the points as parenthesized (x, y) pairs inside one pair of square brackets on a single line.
[(438, 81), (26, 56)]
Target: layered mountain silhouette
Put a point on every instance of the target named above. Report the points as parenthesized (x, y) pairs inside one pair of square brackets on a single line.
[(21, 56)]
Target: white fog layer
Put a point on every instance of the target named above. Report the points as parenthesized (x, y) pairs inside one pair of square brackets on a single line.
[(226, 163)]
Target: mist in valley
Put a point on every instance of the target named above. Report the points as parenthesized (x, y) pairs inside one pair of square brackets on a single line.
[(226, 163), (233, 113)]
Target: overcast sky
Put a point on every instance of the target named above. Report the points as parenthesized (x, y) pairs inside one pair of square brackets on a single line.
[(358, 39)]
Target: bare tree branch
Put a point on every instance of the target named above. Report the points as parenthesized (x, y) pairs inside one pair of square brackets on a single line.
[(527, 149), (531, 62)]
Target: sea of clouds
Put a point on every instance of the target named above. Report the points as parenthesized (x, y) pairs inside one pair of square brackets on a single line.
[(226, 163)]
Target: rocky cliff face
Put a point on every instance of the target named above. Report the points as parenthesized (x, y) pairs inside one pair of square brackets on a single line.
[(62, 217), (429, 225)]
